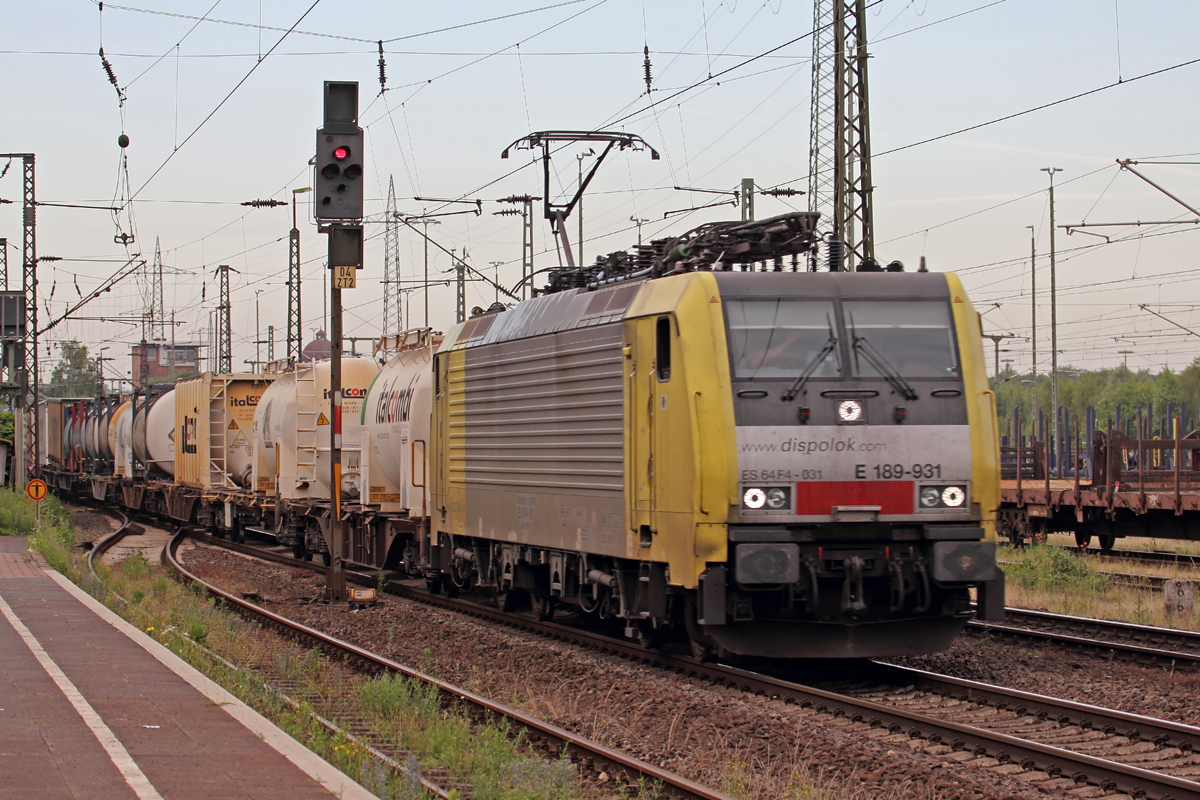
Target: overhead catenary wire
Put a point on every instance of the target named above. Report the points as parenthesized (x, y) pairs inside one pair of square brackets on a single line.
[(702, 142), (224, 100)]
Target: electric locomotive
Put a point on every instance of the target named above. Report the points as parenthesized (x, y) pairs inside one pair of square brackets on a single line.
[(696, 440)]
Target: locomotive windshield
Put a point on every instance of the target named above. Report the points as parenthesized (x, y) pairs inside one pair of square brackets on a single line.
[(780, 338), (914, 337)]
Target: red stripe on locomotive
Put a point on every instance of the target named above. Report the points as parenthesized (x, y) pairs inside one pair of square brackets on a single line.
[(819, 497)]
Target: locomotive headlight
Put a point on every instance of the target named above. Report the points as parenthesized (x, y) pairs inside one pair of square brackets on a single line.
[(849, 411), (953, 496), (943, 497), (754, 498), (777, 498)]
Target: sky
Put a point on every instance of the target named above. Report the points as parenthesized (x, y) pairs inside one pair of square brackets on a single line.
[(969, 102)]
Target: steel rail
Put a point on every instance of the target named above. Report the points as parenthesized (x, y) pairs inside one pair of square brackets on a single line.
[(1135, 727), (589, 755), (1113, 630), (1082, 767), (1136, 580), (127, 528), (1158, 556)]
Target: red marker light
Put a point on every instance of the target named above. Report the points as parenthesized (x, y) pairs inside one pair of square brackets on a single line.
[(341, 153)]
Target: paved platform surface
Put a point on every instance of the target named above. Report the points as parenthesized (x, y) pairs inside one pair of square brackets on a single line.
[(90, 707)]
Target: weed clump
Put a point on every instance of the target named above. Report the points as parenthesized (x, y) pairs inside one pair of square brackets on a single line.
[(1053, 568)]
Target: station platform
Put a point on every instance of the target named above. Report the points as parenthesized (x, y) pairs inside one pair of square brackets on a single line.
[(91, 707)]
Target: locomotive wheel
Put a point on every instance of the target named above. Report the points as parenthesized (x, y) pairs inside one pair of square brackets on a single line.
[(327, 558), (412, 561), (648, 638), (433, 583), (701, 652), (300, 554), (543, 608), (1107, 542), (1084, 539), (507, 600)]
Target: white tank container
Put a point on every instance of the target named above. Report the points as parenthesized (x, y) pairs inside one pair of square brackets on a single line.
[(113, 422), (76, 429), (124, 443), (304, 426), (102, 428), (160, 433), (154, 433), (89, 433), (396, 420), (262, 435)]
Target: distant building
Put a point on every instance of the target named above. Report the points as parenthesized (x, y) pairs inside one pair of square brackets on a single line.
[(316, 350), (159, 363)]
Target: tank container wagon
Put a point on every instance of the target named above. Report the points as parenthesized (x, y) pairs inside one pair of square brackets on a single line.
[(291, 438)]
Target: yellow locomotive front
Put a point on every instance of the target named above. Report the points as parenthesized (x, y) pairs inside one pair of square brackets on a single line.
[(782, 464), (866, 467)]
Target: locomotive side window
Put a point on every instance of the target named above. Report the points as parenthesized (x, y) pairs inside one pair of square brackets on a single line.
[(915, 337), (662, 348), (779, 338)]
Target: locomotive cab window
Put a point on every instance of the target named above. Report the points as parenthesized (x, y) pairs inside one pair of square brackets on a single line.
[(914, 337), (662, 348), (781, 337)]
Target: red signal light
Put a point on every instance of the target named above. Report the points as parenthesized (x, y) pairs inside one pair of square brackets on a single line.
[(341, 153)]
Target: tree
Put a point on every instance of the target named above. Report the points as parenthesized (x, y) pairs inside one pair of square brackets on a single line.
[(75, 375), (1159, 397)]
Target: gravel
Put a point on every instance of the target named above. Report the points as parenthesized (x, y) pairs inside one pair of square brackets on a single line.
[(1079, 675), (745, 745)]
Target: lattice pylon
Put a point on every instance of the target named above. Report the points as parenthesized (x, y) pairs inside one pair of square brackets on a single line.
[(839, 182), (393, 321), (154, 308)]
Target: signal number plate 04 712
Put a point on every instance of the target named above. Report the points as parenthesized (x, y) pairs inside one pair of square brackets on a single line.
[(345, 277)]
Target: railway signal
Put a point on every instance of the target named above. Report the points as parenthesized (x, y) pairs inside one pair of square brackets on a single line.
[(338, 178), (338, 186)]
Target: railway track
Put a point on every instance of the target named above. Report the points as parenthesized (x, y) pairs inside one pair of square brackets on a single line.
[(1061, 740), (1135, 580), (1142, 643), (550, 739), (436, 782), (1153, 556)]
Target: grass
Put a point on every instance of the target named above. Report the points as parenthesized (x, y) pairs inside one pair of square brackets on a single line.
[(18, 514), (1052, 579), (406, 714), (1135, 543)]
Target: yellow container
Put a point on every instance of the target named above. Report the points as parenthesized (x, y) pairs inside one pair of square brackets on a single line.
[(213, 419)]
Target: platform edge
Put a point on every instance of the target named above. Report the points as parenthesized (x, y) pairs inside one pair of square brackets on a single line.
[(329, 776)]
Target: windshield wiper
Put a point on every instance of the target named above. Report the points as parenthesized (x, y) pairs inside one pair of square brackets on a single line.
[(882, 366), (817, 360)]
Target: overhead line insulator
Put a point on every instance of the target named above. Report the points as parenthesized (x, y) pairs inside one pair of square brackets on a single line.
[(382, 70)]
